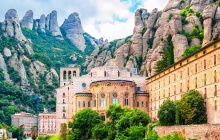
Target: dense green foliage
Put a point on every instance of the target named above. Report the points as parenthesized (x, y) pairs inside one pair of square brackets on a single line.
[(166, 113), (175, 136), (83, 123), (189, 51), (89, 47), (58, 51), (17, 132), (63, 131), (189, 110), (10, 95), (124, 123), (196, 33), (186, 12), (48, 138), (167, 57)]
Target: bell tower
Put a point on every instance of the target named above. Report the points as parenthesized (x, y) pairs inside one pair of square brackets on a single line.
[(67, 75)]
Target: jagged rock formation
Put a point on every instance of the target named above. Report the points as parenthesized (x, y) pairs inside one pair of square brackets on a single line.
[(27, 20), (42, 23), (53, 24), (74, 31), (158, 30), (13, 57)]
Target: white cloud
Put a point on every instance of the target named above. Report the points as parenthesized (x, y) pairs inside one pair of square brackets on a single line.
[(97, 16)]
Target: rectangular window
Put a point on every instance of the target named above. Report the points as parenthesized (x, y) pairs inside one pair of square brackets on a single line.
[(180, 63), (215, 104), (142, 104), (214, 46), (215, 90), (195, 68), (159, 84), (88, 103), (115, 101), (188, 71), (146, 104), (174, 77), (215, 76), (204, 52), (181, 74), (169, 79), (126, 102), (102, 102), (79, 104), (187, 85), (204, 64), (204, 79), (196, 82), (174, 89), (137, 104), (180, 87), (205, 94), (214, 59), (195, 56), (94, 103)]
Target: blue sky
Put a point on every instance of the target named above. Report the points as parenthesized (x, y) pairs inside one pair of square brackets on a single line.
[(110, 19)]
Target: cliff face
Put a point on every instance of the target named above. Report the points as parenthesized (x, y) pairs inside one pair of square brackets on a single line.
[(16, 53), (74, 31), (178, 25)]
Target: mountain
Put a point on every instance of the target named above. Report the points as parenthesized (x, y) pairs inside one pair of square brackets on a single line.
[(161, 37)]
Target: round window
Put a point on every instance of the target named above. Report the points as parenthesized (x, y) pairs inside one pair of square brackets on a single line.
[(83, 85)]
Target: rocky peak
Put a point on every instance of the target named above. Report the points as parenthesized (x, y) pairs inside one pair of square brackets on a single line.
[(12, 15), (74, 31), (53, 24), (27, 20), (42, 23)]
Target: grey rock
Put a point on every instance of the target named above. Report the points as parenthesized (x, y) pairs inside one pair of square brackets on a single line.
[(199, 5), (53, 24), (209, 11), (195, 42), (42, 23), (180, 43), (172, 4), (7, 52), (74, 31), (27, 20), (3, 66)]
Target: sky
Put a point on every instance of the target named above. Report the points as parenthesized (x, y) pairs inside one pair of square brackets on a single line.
[(110, 19)]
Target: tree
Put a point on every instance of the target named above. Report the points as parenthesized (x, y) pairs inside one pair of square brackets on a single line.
[(195, 99), (63, 131), (151, 134), (82, 124), (114, 112), (33, 132), (100, 131), (167, 113), (18, 132)]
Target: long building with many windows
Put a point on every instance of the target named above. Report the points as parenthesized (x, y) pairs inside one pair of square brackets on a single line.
[(198, 71)]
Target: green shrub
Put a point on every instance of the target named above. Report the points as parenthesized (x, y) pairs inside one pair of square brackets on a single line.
[(189, 51)]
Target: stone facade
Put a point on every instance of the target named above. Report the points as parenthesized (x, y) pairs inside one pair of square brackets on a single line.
[(47, 124), (26, 119), (200, 71), (96, 90), (200, 132)]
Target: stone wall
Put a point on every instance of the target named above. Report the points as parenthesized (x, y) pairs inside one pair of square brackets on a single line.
[(200, 132)]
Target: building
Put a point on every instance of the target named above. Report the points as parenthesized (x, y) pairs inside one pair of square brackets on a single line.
[(3, 134), (97, 90), (199, 71), (47, 124), (26, 119)]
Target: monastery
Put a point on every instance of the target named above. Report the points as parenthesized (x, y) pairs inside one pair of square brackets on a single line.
[(116, 85)]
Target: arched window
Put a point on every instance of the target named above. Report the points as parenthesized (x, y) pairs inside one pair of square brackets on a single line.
[(142, 104), (102, 100), (114, 98), (69, 75), (74, 73), (64, 101), (84, 104), (64, 75), (64, 109), (126, 100), (64, 116)]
